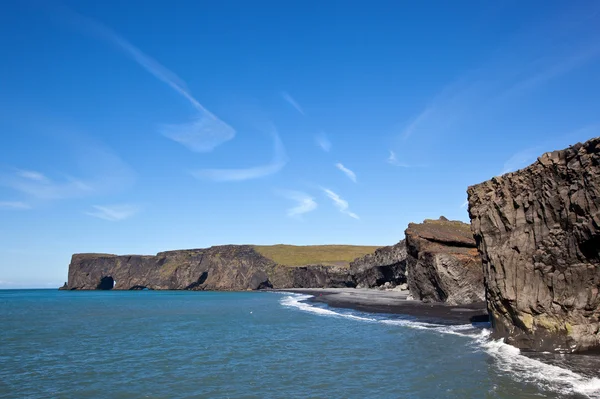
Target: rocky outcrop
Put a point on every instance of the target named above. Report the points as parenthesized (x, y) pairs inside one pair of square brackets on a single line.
[(313, 276), (229, 267), (538, 232), (385, 265), (226, 267), (442, 262)]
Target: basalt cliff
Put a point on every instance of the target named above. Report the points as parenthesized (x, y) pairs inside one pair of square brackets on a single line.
[(442, 263), (438, 262), (538, 233), (234, 267)]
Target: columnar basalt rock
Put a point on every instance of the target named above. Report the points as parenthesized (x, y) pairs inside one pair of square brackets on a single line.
[(443, 264), (538, 232)]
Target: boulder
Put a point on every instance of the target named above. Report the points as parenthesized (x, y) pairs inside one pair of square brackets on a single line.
[(442, 262), (538, 232)]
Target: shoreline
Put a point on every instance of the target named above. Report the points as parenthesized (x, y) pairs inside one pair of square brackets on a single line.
[(394, 302)]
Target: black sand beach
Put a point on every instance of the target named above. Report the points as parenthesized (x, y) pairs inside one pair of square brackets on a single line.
[(395, 302)]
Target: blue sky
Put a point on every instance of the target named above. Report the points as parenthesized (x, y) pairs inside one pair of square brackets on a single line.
[(137, 127)]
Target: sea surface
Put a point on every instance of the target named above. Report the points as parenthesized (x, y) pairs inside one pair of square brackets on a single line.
[(170, 344)]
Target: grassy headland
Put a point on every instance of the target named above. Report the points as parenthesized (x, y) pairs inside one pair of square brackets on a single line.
[(328, 255)]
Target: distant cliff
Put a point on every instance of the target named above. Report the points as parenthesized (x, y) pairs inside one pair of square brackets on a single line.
[(538, 232), (239, 267), (386, 264), (443, 264)]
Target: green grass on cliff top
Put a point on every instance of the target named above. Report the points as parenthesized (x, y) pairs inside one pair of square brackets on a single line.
[(328, 255)]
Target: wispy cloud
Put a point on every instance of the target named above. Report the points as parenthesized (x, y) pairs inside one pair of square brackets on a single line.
[(351, 175), (393, 160), (527, 156), (323, 142), (305, 203), (340, 203), (102, 170), (292, 102), (202, 134), (32, 175), (525, 62), (16, 205), (554, 69), (416, 123), (113, 213), (464, 204), (277, 163), (521, 159)]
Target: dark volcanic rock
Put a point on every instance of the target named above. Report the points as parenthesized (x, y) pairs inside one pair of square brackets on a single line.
[(442, 263), (386, 264), (314, 276), (538, 231), (229, 267)]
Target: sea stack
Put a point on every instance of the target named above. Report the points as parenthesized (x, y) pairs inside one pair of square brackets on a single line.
[(538, 233), (442, 262)]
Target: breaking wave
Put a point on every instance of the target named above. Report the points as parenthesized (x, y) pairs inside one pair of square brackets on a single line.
[(508, 359)]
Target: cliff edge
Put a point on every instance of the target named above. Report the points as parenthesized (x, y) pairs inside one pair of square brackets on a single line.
[(538, 232), (239, 267)]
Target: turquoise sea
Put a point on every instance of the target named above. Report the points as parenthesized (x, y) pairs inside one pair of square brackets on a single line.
[(151, 344)]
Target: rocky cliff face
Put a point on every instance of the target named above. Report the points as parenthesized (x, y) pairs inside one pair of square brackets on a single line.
[(538, 231), (218, 268), (229, 267), (442, 263), (386, 264)]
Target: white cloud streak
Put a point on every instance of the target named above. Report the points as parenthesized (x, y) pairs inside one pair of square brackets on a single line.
[(290, 100), (340, 203), (528, 156), (416, 123), (32, 175), (305, 203), (16, 205), (351, 175), (202, 134), (520, 160), (393, 160), (223, 175), (524, 63), (323, 142), (105, 172), (113, 213)]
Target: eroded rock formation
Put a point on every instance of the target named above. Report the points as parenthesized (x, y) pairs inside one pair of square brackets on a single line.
[(386, 264), (229, 267), (538, 232), (442, 263)]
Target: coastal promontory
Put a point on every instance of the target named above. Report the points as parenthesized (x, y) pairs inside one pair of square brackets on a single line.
[(538, 232), (228, 268)]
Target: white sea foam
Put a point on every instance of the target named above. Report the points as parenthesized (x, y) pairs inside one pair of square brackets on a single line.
[(297, 301), (509, 359)]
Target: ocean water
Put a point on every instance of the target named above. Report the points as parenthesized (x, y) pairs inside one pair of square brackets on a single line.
[(150, 344)]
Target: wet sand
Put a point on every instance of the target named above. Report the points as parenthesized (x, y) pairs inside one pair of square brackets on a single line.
[(395, 302)]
